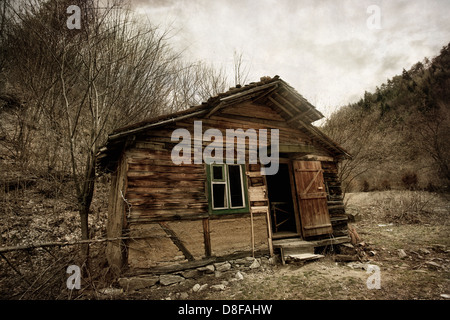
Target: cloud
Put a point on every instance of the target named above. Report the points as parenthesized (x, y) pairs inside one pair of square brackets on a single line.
[(322, 48)]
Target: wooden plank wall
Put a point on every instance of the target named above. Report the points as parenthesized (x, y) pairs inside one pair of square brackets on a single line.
[(158, 189)]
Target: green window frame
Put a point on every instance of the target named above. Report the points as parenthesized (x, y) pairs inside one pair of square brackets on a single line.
[(227, 188)]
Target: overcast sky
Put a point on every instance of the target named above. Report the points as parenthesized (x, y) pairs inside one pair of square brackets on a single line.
[(330, 51)]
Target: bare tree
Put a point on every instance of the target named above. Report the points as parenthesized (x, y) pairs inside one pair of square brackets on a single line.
[(122, 75), (432, 131), (356, 131), (193, 83), (241, 71), (78, 85)]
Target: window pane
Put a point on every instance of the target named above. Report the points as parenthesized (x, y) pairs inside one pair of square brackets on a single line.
[(219, 200), (217, 173), (235, 181)]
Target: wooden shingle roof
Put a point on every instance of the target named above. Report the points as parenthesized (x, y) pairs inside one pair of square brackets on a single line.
[(271, 91)]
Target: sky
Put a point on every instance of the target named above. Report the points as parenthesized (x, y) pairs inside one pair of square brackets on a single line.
[(330, 51)]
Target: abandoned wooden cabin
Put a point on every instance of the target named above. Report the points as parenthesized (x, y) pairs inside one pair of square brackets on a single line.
[(191, 213)]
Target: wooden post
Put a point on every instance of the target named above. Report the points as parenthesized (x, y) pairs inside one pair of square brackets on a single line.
[(206, 237), (269, 221), (269, 231), (252, 232)]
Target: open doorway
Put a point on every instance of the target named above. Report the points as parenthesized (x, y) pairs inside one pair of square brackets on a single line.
[(282, 208)]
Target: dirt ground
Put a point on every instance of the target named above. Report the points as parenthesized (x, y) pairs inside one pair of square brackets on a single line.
[(422, 272), (406, 234)]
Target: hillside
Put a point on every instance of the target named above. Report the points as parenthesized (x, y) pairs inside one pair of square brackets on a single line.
[(398, 135)]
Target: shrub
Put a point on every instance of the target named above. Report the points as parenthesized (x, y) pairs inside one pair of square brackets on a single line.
[(407, 207), (410, 181), (365, 186), (431, 187), (385, 185)]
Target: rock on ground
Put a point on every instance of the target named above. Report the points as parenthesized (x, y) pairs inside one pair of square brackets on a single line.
[(167, 279), (136, 283)]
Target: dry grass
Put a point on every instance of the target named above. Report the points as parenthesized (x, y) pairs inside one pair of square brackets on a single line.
[(400, 206), (385, 225)]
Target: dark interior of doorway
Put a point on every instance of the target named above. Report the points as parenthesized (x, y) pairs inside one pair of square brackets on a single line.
[(281, 203)]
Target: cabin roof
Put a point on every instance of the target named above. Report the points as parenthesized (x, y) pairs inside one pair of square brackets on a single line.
[(272, 90)]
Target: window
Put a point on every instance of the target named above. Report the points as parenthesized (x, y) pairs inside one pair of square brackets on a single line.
[(226, 186)]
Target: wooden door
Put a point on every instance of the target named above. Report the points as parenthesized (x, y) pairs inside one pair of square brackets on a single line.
[(312, 198)]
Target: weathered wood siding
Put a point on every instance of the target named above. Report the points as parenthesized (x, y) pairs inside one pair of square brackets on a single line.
[(158, 189), (335, 199)]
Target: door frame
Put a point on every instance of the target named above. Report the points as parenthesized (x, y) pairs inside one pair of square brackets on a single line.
[(298, 232), (298, 226)]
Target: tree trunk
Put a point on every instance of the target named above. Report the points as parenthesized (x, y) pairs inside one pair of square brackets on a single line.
[(85, 201)]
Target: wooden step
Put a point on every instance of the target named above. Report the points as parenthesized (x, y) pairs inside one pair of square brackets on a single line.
[(304, 256), (297, 250), (297, 247), (293, 247)]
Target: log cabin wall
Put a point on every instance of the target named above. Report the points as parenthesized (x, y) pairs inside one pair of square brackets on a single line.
[(164, 206), (335, 199)]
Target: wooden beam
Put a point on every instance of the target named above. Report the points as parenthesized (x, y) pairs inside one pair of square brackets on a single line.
[(215, 109), (265, 94), (331, 241), (298, 116), (249, 91), (69, 243), (154, 124), (317, 158), (176, 241), (292, 148), (279, 105)]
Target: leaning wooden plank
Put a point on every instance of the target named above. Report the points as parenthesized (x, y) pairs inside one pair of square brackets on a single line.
[(176, 240)]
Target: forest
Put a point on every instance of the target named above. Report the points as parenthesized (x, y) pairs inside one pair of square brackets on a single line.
[(398, 134)]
